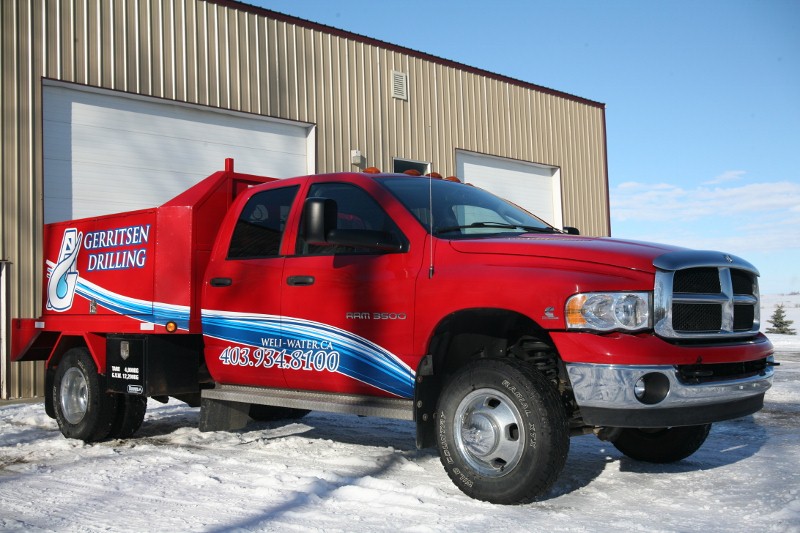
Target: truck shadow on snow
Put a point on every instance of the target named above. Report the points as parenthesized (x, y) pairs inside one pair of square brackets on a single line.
[(319, 490), (163, 421), (728, 443)]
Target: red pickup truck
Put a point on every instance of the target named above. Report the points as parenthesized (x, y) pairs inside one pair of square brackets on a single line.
[(407, 297)]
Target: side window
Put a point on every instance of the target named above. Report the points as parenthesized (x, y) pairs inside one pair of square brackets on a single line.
[(261, 223), (357, 210)]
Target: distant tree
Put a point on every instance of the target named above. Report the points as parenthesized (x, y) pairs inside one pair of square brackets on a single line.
[(779, 322)]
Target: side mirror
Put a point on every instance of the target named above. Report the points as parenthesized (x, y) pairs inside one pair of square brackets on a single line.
[(319, 218), (571, 231)]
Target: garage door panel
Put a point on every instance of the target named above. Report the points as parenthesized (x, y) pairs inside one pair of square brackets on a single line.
[(170, 152), (240, 132), (163, 120), (166, 139), (92, 146), (102, 184), (536, 188), (108, 152)]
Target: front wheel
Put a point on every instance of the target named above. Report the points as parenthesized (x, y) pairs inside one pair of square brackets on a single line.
[(82, 408), (503, 435), (662, 445)]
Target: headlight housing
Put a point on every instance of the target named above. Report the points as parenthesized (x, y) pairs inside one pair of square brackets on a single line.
[(609, 311)]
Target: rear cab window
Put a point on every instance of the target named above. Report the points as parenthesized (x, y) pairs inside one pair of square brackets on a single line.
[(261, 225)]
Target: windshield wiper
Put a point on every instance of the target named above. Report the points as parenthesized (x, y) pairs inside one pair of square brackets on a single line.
[(498, 225)]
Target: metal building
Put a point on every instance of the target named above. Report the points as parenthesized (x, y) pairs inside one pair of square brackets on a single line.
[(111, 105)]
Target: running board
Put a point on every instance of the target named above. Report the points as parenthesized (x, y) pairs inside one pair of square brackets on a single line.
[(226, 407)]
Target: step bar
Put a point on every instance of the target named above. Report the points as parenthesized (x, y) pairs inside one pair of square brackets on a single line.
[(226, 407)]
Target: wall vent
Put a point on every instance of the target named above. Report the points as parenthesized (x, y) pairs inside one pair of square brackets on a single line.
[(399, 85)]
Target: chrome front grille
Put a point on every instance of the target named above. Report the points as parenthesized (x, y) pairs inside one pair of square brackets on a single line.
[(705, 295)]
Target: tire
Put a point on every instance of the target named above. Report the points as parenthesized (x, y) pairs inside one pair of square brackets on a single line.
[(83, 409), (49, 404), (662, 445), (129, 417), (270, 413), (503, 435)]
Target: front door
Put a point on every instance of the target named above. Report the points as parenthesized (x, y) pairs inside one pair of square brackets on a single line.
[(347, 311)]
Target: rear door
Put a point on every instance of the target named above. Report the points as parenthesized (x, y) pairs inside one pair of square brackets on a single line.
[(242, 296)]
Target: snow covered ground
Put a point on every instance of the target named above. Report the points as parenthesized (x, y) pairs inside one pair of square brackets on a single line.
[(339, 473)]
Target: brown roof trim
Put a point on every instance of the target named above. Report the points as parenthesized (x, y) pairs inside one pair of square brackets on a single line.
[(241, 6)]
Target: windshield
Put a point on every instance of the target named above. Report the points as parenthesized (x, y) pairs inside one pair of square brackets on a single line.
[(461, 210)]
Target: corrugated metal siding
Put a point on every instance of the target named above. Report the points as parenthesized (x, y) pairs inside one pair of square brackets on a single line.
[(234, 56), (20, 234)]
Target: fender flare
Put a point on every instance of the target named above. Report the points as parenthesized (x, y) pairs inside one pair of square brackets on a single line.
[(94, 342)]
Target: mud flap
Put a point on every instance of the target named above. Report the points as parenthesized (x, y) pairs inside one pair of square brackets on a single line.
[(426, 394), (221, 415)]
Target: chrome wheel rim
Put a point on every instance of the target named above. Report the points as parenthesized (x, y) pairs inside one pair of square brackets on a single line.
[(73, 395), (489, 432)]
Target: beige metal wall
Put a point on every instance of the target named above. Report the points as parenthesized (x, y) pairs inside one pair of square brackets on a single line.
[(225, 54)]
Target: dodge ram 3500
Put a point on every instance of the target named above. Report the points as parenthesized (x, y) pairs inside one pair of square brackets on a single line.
[(406, 297)]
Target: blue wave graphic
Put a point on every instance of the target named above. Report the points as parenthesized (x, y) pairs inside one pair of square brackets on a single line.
[(360, 358), (240, 327), (146, 311)]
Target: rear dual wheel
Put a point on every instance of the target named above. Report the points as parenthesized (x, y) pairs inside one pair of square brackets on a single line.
[(83, 408), (129, 418)]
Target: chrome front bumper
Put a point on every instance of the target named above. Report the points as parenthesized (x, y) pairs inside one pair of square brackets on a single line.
[(605, 395)]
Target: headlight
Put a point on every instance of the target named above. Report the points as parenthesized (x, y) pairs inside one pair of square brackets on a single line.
[(608, 311)]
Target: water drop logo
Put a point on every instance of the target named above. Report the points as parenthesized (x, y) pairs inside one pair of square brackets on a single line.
[(64, 275)]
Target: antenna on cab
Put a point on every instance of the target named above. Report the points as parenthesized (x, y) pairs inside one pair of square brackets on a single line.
[(430, 223)]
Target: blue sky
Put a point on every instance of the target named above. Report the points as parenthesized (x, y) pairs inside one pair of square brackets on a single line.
[(702, 102)]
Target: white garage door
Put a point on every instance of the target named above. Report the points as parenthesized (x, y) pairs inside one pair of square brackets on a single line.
[(106, 152), (536, 188)]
